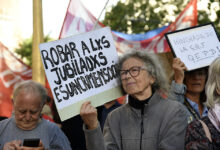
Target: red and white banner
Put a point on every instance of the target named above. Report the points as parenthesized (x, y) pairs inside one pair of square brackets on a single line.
[(12, 71), (78, 19)]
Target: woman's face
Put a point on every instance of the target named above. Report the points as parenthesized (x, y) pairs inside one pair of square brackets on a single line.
[(195, 81), (137, 80)]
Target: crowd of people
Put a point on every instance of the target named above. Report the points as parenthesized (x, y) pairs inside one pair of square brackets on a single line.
[(183, 115)]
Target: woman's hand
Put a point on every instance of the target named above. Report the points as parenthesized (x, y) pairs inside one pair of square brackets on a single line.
[(178, 68), (88, 114)]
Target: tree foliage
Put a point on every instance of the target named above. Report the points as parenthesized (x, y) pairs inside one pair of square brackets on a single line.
[(24, 50), (139, 16)]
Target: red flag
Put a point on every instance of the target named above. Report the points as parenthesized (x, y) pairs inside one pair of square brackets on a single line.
[(12, 71), (78, 19)]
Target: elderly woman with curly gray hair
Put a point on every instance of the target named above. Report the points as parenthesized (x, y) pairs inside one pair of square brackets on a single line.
[(148, 121)]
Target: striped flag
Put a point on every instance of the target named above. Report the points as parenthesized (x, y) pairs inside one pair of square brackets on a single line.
[(12, 71), (78, 20)]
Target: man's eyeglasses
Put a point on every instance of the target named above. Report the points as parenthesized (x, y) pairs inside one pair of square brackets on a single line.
[(133, 71)]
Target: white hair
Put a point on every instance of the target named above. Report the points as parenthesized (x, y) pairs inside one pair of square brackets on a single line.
[(213, 84)]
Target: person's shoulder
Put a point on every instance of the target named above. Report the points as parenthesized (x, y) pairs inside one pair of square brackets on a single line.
[(166, 102), (119, 110), (174, 107), (5, 121), (49, 124), (172, 103), (51, 128)]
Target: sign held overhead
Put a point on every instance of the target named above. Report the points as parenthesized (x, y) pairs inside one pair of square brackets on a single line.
[(197, 47), (81, 68)]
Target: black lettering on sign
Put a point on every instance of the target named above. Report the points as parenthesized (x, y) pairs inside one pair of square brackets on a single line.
[(58, 76), (77, 67), (98, 43), (89, 63), (46, 59), (197, 55), (74, 67), (101, 74), (83, 65), (84, 47), (79, 86), (202, 55), (54, 55), (96, 80), (61, 53), (66, 52), (212, 52), (92, 45), (95, 61), (69, 70), (88, 78), (71, 89), (105, 42), (72, 46), (191, 58), (57, 94), (205, 53), (66, 97), (82, 84), (87, 83), (62, 73), (102, 57), (183, 49)]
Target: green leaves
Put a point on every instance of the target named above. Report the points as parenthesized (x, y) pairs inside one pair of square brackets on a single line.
[(140, 16), (24, 50)]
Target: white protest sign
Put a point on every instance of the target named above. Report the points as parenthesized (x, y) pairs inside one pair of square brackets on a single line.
[(81, 68), (197, 47)]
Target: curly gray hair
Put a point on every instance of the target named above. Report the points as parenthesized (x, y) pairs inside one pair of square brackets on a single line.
[(153, 67)]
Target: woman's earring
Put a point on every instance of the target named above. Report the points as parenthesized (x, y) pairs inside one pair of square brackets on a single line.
[(218, 91)]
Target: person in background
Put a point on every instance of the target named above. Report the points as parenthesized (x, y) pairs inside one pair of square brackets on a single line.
[(105, 109), (204, 134), (188, 88), (46, 112), (29, 98), (148, 120)]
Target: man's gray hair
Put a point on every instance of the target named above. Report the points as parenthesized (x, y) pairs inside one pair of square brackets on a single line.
[(213, 84), (31, 86), (153, 67)]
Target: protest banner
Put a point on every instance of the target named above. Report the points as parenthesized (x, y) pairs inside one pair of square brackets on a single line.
[(81, 68), (12, 72), (197, 46)]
